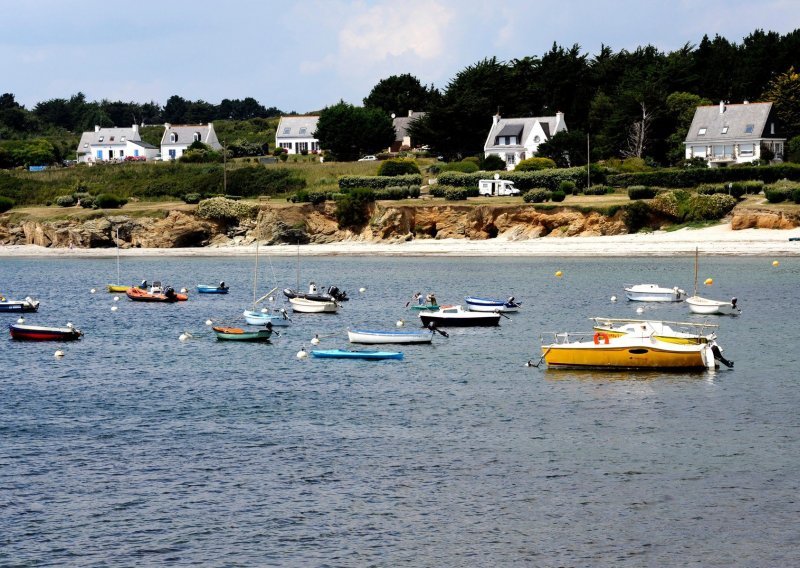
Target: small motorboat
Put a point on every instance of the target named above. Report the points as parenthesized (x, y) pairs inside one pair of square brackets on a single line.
[(393, 336), (320, 295), (220, 288), (654, 293), (456, 316), (706, 306), (345, 354), (26, 305), (573, 350), (278, 317), (155, 293), (239, 334), (44, 333), (688, 332), (475, 304), (309, 306)]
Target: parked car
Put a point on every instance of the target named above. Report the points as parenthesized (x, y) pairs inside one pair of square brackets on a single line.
[(367, 159)]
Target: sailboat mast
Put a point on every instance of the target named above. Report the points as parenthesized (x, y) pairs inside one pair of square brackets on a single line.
[(118, 256), (298, 267), (695, 270), (255, 277)]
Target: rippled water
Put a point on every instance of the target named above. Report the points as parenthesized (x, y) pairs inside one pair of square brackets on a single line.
[(138, 449)]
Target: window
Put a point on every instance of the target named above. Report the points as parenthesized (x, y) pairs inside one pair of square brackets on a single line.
[(85, 144), (772, 128), (315, 146), (745, 149), (724, 130), (122, 139), (302, 147), (173, 136), (287, 130), (99, 154), (749, 129), (303, 131), (196, 137), (702, 131), (136, 153), (286, 145), (101, 139), (122, 153), (536, 139), (511, 159), (110, 138), (172, 153)]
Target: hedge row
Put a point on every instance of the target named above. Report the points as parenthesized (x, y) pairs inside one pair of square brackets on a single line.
[(674, 177), (394, 193), (378, 182), (549, 179)]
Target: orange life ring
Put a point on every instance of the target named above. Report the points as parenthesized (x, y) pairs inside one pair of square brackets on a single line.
[(600, 335)]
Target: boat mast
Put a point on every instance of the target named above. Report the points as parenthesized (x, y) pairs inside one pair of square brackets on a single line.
[(695, 271), (117, 256), (298, 267), (255, 277)]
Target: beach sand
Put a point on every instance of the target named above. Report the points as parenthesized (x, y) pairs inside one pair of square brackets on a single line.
[(717, 240)]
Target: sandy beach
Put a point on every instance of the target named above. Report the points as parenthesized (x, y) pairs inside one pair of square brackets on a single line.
[(717, 240)]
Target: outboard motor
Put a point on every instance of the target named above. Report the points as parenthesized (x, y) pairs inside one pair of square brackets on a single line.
[(733, 303), (718, 355)]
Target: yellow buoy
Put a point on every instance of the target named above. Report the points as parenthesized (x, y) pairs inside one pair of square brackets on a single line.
[(775, 263), (559, 274), (708, 281)]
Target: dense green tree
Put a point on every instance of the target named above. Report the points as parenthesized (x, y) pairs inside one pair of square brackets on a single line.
[(399, 94), (175, 110), (349, 132), (784, 92), (681, 108), (566, 149)]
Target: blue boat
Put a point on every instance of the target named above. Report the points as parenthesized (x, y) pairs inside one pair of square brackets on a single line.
[(26, 305), (345, 354), (221, 288)]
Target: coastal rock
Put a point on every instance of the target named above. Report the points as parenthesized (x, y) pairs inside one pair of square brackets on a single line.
[(759, 219), (176, 230)]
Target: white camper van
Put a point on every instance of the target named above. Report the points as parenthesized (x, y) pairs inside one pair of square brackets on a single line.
[(496, 187)]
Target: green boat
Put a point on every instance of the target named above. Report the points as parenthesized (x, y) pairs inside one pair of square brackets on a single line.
[(431, 307), (239, 334)]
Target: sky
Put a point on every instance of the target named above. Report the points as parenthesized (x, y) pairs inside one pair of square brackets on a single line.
[(304, 55)]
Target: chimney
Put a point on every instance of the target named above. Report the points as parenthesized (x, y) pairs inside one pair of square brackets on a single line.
[(135, 128), (559, 121), (721, 107), (97, 128), (745, 102), (410, 113), (167, 125), (496, 119)]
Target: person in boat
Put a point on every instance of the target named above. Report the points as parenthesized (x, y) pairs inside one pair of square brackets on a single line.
[(431, 298), (418, 299)]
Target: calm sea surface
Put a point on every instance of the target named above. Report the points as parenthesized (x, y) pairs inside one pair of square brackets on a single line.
[(138, 449)]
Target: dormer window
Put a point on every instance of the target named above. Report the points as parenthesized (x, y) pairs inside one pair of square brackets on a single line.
[(110, 138), (101, 138), (197, 137), (702, 131), (287, 130), (85, 144), (122, 139), (749, 129), (724, 130), (173, 136), (303, 130)]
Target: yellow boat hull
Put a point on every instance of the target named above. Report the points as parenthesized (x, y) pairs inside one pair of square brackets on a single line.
[(621, 357), (117, 288)]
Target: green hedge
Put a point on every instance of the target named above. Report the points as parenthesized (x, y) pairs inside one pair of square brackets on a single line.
[(109, 201), (456, 194), (675, 177), (547, 179), (796, 195), (398, 167), (464, 167), (536, 196), (641, 192), (378, 182), (65, 201), (6, 204)]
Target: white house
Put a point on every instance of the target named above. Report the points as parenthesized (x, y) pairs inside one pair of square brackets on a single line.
[(296, 134), (516, 139), (113, 144), (734, 134), (178, 137), (402, 138)]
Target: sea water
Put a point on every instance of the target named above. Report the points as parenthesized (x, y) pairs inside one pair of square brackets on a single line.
[(136, 448)]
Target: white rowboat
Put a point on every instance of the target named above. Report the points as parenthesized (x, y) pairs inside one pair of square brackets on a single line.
[(378, 337), (304, 306)]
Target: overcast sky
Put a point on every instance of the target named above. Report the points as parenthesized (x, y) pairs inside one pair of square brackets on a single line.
[(304, 55)]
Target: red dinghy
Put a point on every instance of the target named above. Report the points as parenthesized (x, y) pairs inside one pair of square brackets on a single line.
[(42, 333), (155, 294)]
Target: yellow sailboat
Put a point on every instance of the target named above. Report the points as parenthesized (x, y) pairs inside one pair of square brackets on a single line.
[(679, 332), (117, 287)]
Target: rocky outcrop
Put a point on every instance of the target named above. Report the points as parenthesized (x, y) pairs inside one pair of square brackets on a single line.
[(317, 224)]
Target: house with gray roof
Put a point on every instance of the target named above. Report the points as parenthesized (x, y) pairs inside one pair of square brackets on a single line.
[(295, 134), (734, 134), (178, 137), (114, 144), (402, 139), (516, 139)]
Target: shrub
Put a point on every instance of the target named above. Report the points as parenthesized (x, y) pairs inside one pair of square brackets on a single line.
[(225, 209), (547, 179), (313, 197), (796, 195), (777, 194), (534, 164), (641, 192), (109, 201), (710, 188), (88, 202), (352, 209), (568, 187), (472, 159), (493, 163), (672, 204), (378, 182), (5, 204), (455, 194), (398, 167), (434, 169), (191, 198), (598, 190), (463, 167), (397, 192), (558, 196), (65, 201), (536, 196), (636, 215), (709, 207), (692, 177)]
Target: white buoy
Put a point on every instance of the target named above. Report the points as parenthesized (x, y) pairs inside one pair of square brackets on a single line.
[(315, 340), (400, 323), (362, 290), (58, 354), (639, 310), (184, 336), (613, 298), (271, 299), (92, 290), (21, 320), (116, 298), (264, 310), (209, 322), (184, 290), (302, 354), (114, 308)]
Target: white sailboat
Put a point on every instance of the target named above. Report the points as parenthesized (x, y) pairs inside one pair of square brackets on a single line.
[(262, 317), (706, 306)]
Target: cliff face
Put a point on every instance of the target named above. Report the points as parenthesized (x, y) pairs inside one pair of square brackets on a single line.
[(317, 224)]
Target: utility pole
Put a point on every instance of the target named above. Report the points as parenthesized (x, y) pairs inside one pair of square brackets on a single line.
[(588, 160), (224, 169)]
